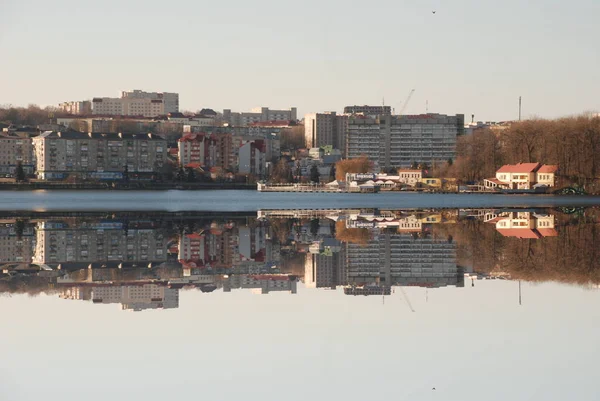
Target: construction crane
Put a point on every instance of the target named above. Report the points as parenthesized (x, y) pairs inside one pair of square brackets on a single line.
[(406, 298), (405, 104)]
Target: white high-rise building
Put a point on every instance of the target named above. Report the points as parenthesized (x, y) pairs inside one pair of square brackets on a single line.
[(137, 103)]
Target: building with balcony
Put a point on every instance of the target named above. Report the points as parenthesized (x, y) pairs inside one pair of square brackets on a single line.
[(98, 156), (400, 141), (98, 242), (16, 147)]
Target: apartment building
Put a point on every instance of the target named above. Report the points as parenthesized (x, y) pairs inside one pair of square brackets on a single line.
[(399, 141), (260, 114), (98, 156), (326, 129), (137, 103), (369, 110), (249, 155), (137, 297), (16, 247), (405, 259), (16, 147), (203, 149), (91, 242), (76, 107), (261, 283)]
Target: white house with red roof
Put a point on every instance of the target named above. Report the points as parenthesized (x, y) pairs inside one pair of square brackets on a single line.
[(523, 176)]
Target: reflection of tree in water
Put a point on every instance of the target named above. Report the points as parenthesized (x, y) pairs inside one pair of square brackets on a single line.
[(571, 257)]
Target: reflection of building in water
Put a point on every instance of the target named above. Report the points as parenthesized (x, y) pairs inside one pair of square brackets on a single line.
[(137, 298), (522, 224), (98, 241), (398, 258), (16, 247), (367, 290), (324, 265), (261, 284)]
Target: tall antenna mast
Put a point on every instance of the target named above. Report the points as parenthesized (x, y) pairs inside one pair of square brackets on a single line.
[(519, 108)]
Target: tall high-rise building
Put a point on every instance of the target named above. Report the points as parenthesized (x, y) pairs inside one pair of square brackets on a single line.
[(322, 129), (399, 141)]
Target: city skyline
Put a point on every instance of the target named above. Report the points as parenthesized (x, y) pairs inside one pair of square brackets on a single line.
[(470, 58)]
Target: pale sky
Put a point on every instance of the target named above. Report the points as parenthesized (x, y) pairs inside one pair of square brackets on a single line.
[(471, 344), (472, 56)]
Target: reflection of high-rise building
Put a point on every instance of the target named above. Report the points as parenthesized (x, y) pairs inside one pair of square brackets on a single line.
[(137, 298), (403, 259), (16, 247), (324, 268), (72, 241), (261, 284)]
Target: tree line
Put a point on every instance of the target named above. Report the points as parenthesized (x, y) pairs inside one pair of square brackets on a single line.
[(572, 143)]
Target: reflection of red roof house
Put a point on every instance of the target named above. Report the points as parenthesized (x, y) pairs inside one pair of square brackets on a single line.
[(524, 233), (195, 236), (548, 232), (194, 166)]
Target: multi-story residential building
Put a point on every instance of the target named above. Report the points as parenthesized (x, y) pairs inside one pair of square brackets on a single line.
[(325, 267), (400, 258), (259, 114), (400, 141), (98, 156), (137, 103), (326, 129), (369, 110), (207, 150), (16, 147), (64, 242), (16, 247), (249, 155), (77, 107), (523, 176), (261, 283), (137, 297)]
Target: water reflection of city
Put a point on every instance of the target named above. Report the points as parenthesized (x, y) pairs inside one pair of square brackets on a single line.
[(142, 262)]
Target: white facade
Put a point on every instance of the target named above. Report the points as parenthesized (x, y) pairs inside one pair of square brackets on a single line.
[(137, 103)]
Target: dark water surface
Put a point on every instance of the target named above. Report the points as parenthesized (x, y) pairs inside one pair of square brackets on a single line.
[(237, 200)]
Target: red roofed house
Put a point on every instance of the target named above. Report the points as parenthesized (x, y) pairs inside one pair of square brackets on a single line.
[(523, 176)]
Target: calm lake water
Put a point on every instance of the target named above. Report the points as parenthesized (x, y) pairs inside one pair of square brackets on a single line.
[(225, 200), (460, 304)]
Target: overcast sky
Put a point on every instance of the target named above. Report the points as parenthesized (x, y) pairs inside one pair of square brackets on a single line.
[(472, 56)]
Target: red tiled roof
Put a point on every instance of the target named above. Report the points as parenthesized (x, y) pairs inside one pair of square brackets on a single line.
[(173, 151), (191, 137), (524, 233), (194, 236), (497, 181), (548, 232), (548, 168), (519, 168), (409, 170)]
